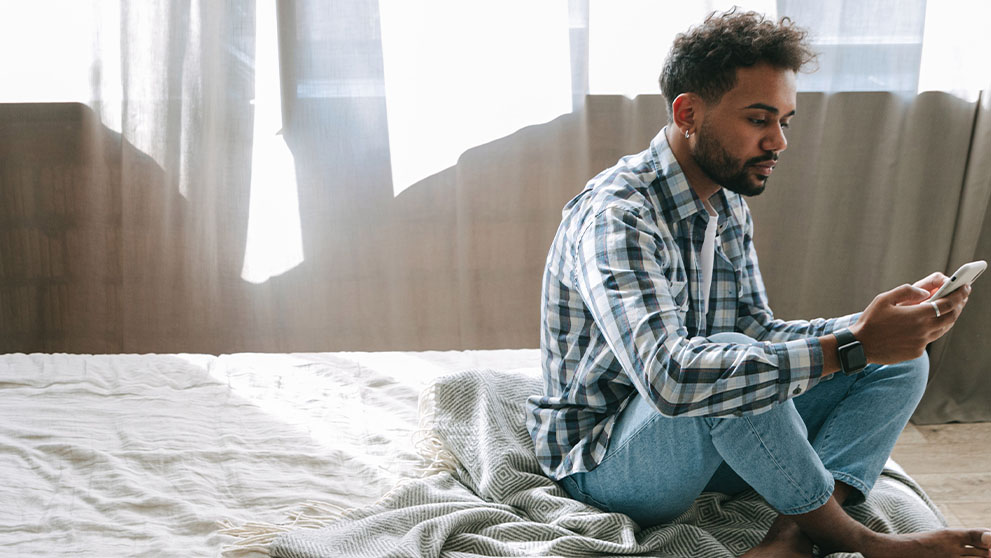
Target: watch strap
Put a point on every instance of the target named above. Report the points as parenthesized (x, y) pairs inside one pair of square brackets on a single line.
[(844, 337), (850, 352)]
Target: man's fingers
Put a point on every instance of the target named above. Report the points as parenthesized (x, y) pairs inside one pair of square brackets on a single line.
[(949, 311), (944, 309), (954, 303), (951, 304)]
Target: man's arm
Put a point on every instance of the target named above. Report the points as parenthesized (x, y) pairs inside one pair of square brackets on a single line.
[(620, 272)]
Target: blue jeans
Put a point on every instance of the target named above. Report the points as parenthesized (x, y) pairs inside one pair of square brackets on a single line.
[(844, 428)]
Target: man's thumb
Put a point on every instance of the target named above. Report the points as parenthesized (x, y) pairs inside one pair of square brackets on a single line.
[(907, 294)]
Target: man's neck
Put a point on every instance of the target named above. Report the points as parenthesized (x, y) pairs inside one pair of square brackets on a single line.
[(700, 183)]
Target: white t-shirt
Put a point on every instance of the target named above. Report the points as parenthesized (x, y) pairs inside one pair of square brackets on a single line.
[(708, 253)]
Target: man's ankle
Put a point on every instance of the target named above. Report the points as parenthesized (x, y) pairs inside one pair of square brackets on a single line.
[(832, 529), (854, 538)]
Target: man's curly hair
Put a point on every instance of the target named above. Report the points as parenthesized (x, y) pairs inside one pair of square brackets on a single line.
[(704, 59)]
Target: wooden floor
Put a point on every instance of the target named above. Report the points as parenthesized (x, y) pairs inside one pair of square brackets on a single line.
[(952, 462)]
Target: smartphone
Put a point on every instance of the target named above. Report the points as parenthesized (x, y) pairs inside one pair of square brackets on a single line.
[(966, 275)]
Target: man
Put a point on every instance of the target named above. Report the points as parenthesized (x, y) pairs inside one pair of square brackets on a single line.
[(666, 373)]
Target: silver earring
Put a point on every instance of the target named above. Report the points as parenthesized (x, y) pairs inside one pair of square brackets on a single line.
[(687, 134)]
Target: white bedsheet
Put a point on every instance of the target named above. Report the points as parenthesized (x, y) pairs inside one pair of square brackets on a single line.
[(143, 455)]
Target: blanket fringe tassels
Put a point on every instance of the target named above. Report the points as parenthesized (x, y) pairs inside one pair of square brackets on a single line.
[(428, 444), (255, 538)]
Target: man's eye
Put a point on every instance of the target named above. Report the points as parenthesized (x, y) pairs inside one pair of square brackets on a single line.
[(757, 121), (785, 125)]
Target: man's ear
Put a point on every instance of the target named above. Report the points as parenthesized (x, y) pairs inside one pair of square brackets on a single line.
[(686, 112)]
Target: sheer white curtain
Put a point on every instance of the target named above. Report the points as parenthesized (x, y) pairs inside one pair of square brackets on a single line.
[(628, 40), (904, 46), (955, 48), (454, 75), (172, 78), (274, 242), (461, 74)]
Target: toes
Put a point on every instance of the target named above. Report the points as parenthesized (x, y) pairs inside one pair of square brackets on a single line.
[(977, 543), (983, 539), (971, 551)]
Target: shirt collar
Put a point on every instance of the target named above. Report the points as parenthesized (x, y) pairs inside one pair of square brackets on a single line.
[(678, 200)]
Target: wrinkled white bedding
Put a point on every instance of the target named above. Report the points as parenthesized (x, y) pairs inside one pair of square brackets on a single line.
[(143, 455)]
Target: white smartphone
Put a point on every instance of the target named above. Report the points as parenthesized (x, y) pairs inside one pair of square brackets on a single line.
[(963, 276)]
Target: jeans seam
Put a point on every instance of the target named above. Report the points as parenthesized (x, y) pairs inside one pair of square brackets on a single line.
[(774, 459), (828, 427), (588, 498)]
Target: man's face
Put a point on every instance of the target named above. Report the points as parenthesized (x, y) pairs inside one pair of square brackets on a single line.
[(741, 136)]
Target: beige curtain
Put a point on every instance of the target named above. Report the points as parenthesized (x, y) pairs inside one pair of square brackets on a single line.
[(109, 246), (958, 388)]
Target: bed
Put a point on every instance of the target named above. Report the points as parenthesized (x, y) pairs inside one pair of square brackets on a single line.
[(199, 455)]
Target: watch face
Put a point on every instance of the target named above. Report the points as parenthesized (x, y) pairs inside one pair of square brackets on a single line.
[(852, 358)]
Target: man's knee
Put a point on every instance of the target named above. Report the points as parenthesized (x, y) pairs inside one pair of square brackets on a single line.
[(911, 375)]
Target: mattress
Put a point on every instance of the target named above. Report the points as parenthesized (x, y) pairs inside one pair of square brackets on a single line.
[(146, 455)]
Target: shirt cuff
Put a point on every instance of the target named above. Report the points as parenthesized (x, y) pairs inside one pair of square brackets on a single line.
[(800, 364), (840, 323)]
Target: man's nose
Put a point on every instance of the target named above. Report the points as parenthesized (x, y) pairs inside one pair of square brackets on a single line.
[(775, 141)]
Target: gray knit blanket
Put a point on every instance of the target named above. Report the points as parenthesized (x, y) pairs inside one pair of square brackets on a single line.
[(487, 496)]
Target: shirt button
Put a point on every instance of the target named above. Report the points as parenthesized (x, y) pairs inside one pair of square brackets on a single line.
[(797, 391)]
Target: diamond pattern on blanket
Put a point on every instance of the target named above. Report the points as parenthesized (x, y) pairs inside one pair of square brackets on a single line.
[(497, 501)]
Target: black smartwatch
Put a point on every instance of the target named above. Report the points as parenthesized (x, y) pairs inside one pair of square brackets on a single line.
[(851, 352)]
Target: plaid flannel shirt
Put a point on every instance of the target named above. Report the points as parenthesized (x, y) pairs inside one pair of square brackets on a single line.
[(622, 314)]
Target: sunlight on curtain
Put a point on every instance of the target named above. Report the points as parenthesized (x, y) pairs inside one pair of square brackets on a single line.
[(275, 238), (45, 59), (460, 74), (904, 46), (106, 84), (862, 46), (132, 87), (139, 59), (628, 40), (956, 48)]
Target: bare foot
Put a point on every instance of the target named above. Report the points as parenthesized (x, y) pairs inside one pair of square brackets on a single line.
[(947, 543), (834, 530), (783, 540)]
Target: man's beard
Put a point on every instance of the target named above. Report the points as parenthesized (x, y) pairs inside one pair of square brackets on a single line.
[(724, 169)]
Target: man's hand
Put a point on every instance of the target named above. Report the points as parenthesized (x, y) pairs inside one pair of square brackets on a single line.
[(896, 327)]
